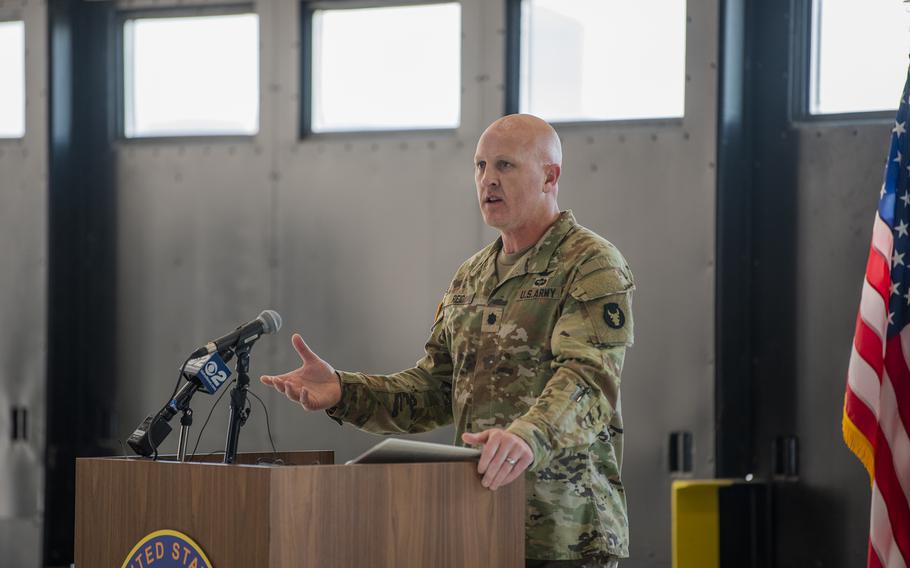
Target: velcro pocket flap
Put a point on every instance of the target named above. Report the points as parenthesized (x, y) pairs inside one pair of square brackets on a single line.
[(602, 283)]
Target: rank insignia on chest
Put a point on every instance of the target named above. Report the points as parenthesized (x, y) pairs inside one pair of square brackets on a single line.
[(613, 316), (491, 319), (541, 281)]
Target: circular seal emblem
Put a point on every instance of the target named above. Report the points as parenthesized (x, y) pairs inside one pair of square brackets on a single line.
[(211, 368), (166, 549), (613, 316)]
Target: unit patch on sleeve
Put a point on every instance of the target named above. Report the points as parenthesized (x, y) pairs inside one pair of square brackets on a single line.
[(613, 315)]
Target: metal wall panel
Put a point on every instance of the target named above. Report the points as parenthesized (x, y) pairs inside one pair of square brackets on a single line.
[(23, 315), (353, 239), (839, 174)]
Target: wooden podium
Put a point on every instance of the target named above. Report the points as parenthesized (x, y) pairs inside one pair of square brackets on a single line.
[(305, 513)]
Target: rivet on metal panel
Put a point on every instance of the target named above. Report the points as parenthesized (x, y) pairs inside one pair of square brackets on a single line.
[(654, 138), (713, 65), (818, 133), (686, 136), (711, 165), (593, 167), (590, 140), (431, 145), (274, 176), (688, 77), (622, 138), (403, 146), (688, 19), (855, 132), (482, 78)]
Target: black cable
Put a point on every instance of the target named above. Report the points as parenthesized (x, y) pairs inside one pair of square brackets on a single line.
[(226, 387), (180, 376), (268, 427)]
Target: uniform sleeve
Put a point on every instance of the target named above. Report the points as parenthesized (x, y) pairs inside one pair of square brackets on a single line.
[(414, 400), (588, 343)]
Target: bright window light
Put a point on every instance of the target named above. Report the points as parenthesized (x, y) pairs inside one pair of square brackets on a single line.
[(588, 60), (191, 76), (389, 68), (859, 55), (12, 79)]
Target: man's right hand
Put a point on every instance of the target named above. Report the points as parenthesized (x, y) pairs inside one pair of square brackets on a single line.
[(314, 384)]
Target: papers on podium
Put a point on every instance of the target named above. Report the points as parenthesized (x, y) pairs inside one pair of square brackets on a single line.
[(395, 450)]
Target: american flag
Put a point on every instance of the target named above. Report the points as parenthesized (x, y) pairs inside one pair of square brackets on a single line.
[(877, 403)]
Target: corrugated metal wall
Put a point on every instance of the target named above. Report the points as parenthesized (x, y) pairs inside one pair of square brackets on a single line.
[(23, 301)]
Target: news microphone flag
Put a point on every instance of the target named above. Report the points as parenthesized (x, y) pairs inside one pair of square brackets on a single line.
[(211, 370), (877, 401)]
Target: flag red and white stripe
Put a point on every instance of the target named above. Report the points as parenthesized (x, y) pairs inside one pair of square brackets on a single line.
[(876, 416)]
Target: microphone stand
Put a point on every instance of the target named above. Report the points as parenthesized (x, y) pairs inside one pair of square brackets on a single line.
[(239, 412), (185, 422)]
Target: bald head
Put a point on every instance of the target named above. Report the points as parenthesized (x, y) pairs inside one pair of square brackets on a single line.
[(535, 134), (516, 170)]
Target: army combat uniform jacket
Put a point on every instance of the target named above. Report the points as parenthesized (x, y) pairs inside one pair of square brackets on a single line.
[(540, 354)]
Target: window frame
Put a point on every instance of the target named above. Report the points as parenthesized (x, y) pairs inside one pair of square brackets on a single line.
[(513, 62), (189, 11), (16, 15), (307, 53), (805, 28)]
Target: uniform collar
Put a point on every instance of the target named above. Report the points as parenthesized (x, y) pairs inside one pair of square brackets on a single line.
[(539, 258)]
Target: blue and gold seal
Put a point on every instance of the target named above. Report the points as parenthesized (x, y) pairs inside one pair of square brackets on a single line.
[(166, 549)]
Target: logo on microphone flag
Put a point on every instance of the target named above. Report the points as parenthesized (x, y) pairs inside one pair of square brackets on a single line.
[(213, 373), (166, 549)]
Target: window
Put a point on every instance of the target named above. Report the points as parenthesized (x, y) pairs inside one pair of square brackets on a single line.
[(191, 76), (859, 55), (12, 77), (586, 60), (389, 68)]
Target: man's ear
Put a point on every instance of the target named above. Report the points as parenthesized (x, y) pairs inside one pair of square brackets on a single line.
[(551, 177)]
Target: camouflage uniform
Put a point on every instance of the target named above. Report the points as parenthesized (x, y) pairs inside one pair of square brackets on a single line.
[(539, 354)]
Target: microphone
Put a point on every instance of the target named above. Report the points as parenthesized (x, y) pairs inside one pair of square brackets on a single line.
[(268, 322), (206, 373)]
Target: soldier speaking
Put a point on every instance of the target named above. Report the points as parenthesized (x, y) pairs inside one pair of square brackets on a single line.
[(524, 356)]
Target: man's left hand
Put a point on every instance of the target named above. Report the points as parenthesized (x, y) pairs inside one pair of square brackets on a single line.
[(505, 456)]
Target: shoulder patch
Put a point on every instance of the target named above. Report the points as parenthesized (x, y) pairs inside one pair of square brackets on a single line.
[(614, 316)]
